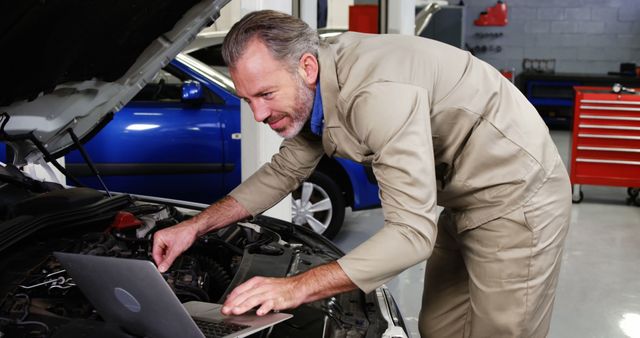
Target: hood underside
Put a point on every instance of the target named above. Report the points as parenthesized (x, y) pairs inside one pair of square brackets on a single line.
[(70, 64)]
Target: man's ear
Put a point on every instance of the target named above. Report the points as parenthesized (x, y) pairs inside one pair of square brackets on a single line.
[(308, 68)]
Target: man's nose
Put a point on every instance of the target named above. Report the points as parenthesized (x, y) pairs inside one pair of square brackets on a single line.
[(260, 111)]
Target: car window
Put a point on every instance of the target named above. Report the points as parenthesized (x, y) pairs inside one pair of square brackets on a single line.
[(166, 86), (211, 55)]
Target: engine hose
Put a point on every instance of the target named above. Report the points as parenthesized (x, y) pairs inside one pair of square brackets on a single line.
[(265, 238), (219, 279)]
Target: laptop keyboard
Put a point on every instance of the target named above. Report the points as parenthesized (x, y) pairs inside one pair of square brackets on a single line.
[(218, 329)]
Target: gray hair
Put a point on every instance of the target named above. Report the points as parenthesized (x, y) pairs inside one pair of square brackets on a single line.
[(286, 36)]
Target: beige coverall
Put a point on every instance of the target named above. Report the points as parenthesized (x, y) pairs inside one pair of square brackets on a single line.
[(439, 126)]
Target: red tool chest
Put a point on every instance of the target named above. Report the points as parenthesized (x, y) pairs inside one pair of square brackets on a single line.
[(606, 139)]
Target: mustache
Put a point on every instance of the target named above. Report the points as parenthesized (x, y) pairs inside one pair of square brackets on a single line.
[(272, 118)]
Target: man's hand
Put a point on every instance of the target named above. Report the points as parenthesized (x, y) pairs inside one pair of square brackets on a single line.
[(285, 293), (169, 243), (269, 293)]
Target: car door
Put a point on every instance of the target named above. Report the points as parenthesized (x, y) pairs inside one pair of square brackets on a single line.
[(160, 145)]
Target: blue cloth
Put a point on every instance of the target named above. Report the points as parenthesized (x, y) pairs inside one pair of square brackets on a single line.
[(317, 113)]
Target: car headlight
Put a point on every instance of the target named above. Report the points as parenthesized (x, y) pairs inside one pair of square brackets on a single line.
[(391, 313)]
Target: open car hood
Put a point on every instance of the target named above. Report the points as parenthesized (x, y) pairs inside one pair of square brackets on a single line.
[(69, 65)]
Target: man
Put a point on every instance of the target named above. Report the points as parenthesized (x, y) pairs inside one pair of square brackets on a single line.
[(438, 126)]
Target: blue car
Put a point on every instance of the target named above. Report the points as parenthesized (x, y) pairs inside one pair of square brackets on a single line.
[(189, 105)]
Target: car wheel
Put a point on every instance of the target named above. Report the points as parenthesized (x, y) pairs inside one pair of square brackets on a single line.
[(318, 204)]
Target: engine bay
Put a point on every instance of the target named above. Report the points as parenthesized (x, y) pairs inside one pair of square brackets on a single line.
[(38, 298)]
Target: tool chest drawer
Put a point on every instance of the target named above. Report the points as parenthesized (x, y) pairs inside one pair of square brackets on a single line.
[(605, 146)]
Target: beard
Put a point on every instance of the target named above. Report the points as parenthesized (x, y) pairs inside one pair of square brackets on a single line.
[(301, 111)]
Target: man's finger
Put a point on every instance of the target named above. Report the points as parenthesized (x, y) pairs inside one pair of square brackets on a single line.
[(159, 249), (169, 257), (240, 308), (266, 307), (245, 301)]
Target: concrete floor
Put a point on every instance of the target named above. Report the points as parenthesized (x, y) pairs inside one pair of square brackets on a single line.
[(599, 290)]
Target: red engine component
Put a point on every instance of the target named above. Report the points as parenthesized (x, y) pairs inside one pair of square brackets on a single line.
[(125, 220), (493, 16)]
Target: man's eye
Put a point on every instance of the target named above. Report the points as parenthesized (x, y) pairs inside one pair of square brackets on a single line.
[(267, 95)]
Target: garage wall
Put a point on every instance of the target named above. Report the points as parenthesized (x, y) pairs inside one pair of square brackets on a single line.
[(585, 36)]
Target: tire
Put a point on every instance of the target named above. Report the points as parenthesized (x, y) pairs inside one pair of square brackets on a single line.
[(318, 204)]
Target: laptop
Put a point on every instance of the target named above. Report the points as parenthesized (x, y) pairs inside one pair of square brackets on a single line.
[(133, 294)]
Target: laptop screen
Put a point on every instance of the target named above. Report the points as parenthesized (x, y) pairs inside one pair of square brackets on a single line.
[(134, 295)]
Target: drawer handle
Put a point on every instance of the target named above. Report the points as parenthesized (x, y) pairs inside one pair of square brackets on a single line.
[(610, 108), (596, 126), (624, 150), (619, 137), (611, 102), (617, 118), (590, 160)]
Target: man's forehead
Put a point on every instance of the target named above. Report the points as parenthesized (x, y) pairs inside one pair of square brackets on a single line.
[(257, 70)]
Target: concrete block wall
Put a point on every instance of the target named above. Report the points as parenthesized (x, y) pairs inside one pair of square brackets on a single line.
[(583, 36)]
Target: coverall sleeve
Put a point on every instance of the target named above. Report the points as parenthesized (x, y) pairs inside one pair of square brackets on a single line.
[(294, 162), (392, 120)]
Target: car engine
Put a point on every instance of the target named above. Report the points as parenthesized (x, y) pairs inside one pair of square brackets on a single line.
[(38, 298)]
